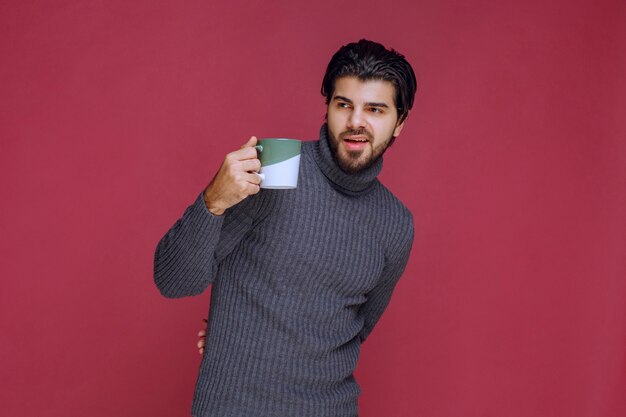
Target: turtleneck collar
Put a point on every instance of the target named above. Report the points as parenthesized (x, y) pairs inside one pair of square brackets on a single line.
[(351, 184)]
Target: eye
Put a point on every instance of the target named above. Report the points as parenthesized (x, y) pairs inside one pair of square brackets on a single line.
[(342, 105), (376, 110)]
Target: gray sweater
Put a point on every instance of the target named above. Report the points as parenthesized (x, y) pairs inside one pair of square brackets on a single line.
[(299, 279)]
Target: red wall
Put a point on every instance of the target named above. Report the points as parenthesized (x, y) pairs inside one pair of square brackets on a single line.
[(114, 115)]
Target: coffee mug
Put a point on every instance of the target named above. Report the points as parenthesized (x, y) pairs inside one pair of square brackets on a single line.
[(280, 162)]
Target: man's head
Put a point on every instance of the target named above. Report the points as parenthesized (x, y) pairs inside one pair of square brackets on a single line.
[(369, 91)]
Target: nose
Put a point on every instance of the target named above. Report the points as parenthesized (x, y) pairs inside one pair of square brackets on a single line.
[(356, 119)]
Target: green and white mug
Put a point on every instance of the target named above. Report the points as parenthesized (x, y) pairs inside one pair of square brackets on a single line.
[(280, 162)]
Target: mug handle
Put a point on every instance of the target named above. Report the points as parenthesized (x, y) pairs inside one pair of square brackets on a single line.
[(260, 149)]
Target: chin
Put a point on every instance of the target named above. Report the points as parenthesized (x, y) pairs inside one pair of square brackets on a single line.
[(354, 165)]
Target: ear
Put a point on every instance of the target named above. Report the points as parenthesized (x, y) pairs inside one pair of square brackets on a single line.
[(398, 128)]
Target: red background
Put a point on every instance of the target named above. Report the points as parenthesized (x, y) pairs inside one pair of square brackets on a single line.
[(115, 114)]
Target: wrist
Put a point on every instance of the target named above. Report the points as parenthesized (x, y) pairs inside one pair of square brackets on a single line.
[(214, 209), (212, 206)]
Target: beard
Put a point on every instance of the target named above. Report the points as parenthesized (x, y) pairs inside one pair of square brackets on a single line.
[(354, 161)]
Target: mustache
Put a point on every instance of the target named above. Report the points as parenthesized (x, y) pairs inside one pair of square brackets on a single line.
[(356, 132)]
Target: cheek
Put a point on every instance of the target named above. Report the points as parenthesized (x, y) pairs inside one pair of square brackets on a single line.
[(334, 128), (383, 134), (379, 130), (334, 120), (388, 129)]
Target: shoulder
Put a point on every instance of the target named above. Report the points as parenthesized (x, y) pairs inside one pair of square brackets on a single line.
[(397, 218), (308, 148), (392, 206), (307, 145)]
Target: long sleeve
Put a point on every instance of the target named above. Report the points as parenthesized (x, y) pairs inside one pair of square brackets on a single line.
[(378, 298), (186, 259)]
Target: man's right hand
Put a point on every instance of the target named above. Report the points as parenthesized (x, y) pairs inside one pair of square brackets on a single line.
[(235, 180)]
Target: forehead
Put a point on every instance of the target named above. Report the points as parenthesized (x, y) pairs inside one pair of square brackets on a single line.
[(366, 91)]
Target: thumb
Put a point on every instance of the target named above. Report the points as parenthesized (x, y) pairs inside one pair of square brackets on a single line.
[(250, 142)]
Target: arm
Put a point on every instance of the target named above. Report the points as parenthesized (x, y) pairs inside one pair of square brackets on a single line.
[(378, 298), (187, 257)]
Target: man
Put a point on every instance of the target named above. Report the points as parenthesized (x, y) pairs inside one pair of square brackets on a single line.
[(299, 277)]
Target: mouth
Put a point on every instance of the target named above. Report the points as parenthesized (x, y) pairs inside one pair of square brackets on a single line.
[(355, 143), (355, 138)]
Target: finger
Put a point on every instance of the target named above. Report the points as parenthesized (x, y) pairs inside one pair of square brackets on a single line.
[(201, 351), (246, 152), (253, 180), (202, 333), (200, 344), (253, 189), (251, 165)]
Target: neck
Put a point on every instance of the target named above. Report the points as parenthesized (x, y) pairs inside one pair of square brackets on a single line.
[(348, 183)]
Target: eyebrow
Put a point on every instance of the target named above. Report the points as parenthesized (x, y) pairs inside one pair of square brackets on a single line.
[(369, 104)]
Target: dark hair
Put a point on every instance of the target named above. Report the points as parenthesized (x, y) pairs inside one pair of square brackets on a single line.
[(369, 60)]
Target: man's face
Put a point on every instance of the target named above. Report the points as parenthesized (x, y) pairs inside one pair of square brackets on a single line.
[(362, 119)]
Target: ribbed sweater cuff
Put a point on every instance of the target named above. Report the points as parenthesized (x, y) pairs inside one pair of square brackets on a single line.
[(200, 215)]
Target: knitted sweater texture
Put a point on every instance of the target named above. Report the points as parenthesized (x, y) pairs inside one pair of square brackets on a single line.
[(298, 280)]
